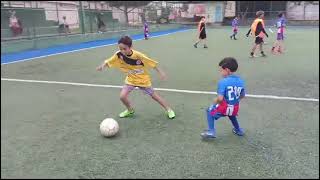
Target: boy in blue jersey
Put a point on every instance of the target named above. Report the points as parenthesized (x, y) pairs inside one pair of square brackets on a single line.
[(230, 91), (278, 45), (234, 27)]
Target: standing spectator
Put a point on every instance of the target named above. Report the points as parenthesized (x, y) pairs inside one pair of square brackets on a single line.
[(15, 24), (64, 26), (100, 23)]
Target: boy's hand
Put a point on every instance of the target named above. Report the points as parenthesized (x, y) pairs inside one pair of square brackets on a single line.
[(163, 76), (99, 68)]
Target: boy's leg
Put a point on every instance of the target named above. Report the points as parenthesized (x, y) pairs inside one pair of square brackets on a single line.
[(234, 34), (124, 99), (281, 48), (146, 35), (211, 133), (253, 50), (195, 45), (261, 49), (236, 128), (276, 44), (205, 43), (258, 41), (161, 101)]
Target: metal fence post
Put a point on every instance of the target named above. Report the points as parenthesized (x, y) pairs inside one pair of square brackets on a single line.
[(82, 18)]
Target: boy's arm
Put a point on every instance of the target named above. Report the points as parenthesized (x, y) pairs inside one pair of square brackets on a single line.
[(199, 29), (153, 64), (163, 76), (102, 66), (242, 94), (248, 32), (218, 99), (111, 62), (260, 27), (221, 92)]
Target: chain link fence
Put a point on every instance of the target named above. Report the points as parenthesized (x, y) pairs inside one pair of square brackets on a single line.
[(40, 24)]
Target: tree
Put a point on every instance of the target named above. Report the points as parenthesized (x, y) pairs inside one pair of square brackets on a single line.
[(125, 5)]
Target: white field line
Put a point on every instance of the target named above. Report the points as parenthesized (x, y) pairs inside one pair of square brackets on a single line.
[(161, 89)]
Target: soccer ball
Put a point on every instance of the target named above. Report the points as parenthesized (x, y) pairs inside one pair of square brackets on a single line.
[(109, 127)]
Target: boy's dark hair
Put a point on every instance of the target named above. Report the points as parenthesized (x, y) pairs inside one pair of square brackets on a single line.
[(125, 40), (259, 13), (280, 14), (230, 63)]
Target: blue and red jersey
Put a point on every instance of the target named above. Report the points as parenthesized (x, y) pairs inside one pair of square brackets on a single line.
[(231, 88)]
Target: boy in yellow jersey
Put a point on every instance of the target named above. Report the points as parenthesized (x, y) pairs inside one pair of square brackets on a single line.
[(136, 65), (258, 31)]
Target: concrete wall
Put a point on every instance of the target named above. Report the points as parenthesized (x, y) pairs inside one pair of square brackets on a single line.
[(212, 10), (303, 10)]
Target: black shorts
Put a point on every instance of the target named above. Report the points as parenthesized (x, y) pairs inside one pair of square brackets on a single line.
[(258, 40), (203, 35)]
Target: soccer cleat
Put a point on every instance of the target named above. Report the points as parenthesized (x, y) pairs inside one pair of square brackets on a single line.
[(238, 132), (126, 113), (263, 55), (195, 45), (208, 134), (235, 39), (171, 114), (205, 46), (252, 55)]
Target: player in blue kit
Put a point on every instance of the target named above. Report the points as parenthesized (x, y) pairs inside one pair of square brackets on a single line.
[(278, 45), (230, 91), (235, 28), (146, 30)]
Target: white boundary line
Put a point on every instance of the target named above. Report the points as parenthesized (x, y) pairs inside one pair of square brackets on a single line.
[(160, 89), (22, 60)]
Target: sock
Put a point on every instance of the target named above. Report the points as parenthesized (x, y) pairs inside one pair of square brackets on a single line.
[(234, 122), (251, 53), (210, 121), (279, 49)]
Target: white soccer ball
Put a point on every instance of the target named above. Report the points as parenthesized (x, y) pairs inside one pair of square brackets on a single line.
[(109, 127)]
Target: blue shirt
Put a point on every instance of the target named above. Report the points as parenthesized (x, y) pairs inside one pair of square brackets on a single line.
[(235, 22), (146, 26), (281, 22), (231, 88)]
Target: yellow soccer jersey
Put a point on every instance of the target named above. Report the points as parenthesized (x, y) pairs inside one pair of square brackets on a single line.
[(135, 66)]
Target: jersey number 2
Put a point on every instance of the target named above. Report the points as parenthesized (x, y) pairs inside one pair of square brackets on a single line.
[(234, 92)]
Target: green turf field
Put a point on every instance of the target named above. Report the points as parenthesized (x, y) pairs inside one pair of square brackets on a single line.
[(52, 130)]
